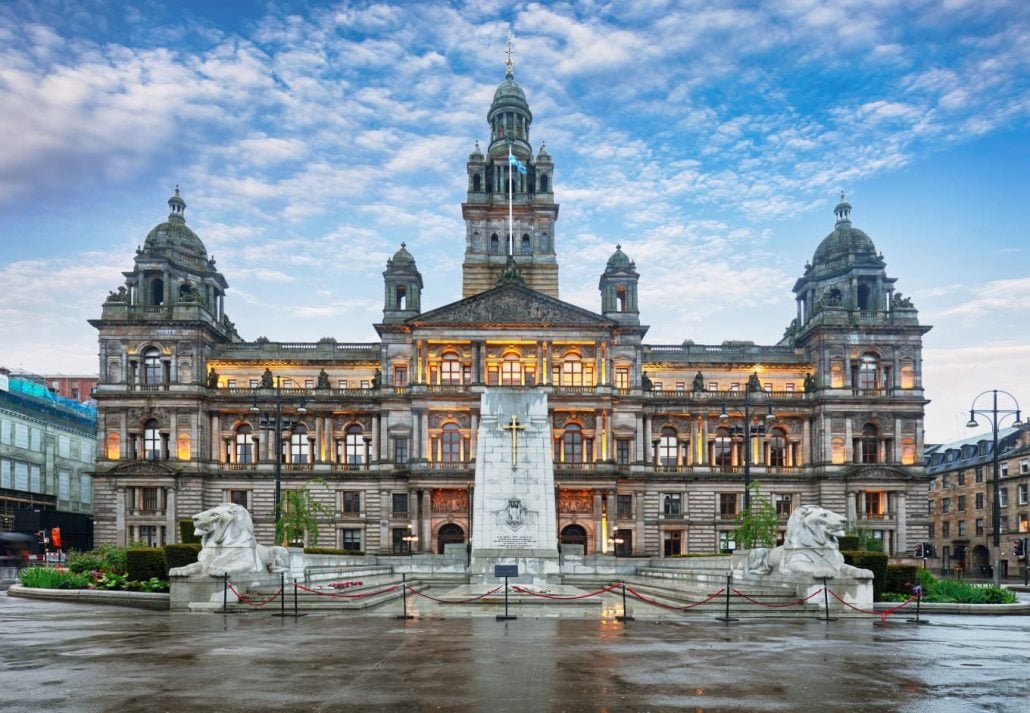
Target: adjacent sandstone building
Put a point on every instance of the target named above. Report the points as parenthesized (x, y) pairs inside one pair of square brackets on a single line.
[(649, 440)]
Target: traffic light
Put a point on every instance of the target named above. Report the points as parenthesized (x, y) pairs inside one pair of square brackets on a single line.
[(929, 551), (919, 550), (55, 537)]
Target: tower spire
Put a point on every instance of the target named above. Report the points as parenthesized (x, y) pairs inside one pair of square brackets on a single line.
[(509, 64)]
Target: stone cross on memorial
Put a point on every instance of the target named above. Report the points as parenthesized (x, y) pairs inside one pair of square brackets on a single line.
[(514, 427)]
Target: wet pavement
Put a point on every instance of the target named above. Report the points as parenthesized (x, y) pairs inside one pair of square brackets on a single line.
[(59, 657)]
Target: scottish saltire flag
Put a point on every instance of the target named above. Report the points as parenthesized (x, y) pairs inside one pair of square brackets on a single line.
[(516, 163)]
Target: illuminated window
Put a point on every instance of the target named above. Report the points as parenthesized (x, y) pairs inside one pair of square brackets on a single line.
[(450, 443), (723, 447), (299, 444), (777, 448), (450, 370), (114, 446), (244, 444), (151, 440), (836, 374), (572, 444), (152, 366), (571, 371), (868, 369), (511, 371), (908, 451), (354, 446), (837, 450), (908, 376), (182, 447), (668, 447)]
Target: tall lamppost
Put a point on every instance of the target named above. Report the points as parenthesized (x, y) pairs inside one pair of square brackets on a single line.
[(755, 387), (278, 423), (995, 416)]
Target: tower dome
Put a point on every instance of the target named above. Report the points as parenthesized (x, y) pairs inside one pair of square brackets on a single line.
[(844, 246), (174, 236)]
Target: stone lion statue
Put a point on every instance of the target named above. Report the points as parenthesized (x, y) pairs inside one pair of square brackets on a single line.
[(228, 545), (809, 548)]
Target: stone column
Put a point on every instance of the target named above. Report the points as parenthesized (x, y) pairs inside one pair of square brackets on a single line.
[(599, 544)]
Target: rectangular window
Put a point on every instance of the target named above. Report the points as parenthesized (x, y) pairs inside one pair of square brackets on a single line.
[(366, 384), (945, 480), (35, 479), (624, 507), (5, 473), (657, 385), (342, 384), (622, 451), (254, 383), (735, 386), (399, 504), (622, 377), (64, 447), (726, 541), (946, 505), (240, 497), (148, 535), (232, 383), (85, 489), (64, 485), (979, 526), (1003, 497), (352, 539), (783, 505), (1004, 470), (931, 507), (148, 499), (681, 386), (979, 501), (400, 376), (1024, 466), (713, 385), (961, 528), (400, 451), (351, 502), (789, 386), (945, 529), (961, 477), (1021, 494), (671, 504), (961, 504), (727, 506), (400, 541), (979, 474), (21, 476)]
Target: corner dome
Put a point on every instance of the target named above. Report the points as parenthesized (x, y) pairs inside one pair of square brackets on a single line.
[(402, 258), (619, 260), (174, 234), (845, 245)]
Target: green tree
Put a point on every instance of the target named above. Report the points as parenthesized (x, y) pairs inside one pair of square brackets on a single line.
[(298, 514), (757, 525)]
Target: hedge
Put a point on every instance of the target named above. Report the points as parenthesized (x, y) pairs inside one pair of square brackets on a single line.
[(180, 555), (186, 530), (142, 563), (331, 551), (901, 578), (874, 561)]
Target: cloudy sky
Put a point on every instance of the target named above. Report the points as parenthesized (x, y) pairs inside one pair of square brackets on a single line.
[(711, 139)]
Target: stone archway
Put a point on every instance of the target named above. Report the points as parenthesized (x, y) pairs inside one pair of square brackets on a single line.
[(448, 534), (574, 535)]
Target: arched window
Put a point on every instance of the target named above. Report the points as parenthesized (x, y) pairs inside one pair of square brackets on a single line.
[(114, 446), (908, 376), (152, 440), (543, 183), (836, 374), (908, 451), (867, 371), (244, 444), (667, 446), (866, 451), (157, 291), (152, 366), (450, 443), (525, 244), (495, 245), (620, 298), (571, 371), (511, 370), (449, 534), (863, 296), (299, 444), (401, 297), (450, 369), (477, 183), (114, 372), (182, 447), (777, 448), (354, 445), (723, 447), (572, 444)]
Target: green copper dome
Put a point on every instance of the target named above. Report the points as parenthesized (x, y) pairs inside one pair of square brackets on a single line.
[(174, 235), (619, 260), (844, 246)]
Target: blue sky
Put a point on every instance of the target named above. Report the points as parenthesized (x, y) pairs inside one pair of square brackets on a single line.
[(711, 139)]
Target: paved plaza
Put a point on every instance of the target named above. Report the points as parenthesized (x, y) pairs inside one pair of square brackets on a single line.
[(60, 657)]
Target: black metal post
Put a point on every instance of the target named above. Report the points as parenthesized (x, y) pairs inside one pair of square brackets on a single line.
[(826, 600), (506, 616), (726, 617), (404, 597), (276, 502), (295, 598), (225, 592), (282, 594), (625, 615), (747, 454)]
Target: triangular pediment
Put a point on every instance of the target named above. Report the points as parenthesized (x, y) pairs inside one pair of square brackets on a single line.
[(511, 305)]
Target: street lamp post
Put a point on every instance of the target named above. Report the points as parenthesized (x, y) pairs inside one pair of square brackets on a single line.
[(769, 417), (276, 422), (995, 416)]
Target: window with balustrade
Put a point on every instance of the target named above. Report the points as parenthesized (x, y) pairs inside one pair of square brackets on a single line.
[(244, 444), (299, 444), (668, 447)]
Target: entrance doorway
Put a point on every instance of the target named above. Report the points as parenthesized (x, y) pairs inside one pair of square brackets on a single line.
[(623, 543), (449, 534), (673, 543), (574, 535)]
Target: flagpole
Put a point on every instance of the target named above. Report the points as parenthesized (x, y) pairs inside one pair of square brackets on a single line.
[(511, 223)]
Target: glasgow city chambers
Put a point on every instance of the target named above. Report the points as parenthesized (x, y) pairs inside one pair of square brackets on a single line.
[(652, 443)]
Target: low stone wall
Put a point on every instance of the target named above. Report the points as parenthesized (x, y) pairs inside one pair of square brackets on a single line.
[(137, 600)]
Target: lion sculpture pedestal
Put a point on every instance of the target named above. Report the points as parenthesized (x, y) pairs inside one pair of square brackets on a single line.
[(228, 548), (809, 553)]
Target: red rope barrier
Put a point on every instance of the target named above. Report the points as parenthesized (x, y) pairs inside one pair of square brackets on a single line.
[(654, 602), (246, 600), (455, 601), (530, 592), (358, 595), (796, 603), (882, 614)]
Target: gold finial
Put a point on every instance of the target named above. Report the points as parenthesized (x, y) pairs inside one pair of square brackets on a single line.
[(509, 65)]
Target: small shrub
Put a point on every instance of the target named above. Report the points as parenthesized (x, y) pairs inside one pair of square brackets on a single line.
[(900, 578), (181, 555), (186, 530), (151, 585), (873, 561), (109, 580), (105, 558), (52, 578), (146, 562)]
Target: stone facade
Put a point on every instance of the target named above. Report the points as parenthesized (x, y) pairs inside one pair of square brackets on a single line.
[(648, 440)]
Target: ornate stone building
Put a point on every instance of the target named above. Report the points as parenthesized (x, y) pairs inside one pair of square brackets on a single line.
[(649, 441)]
